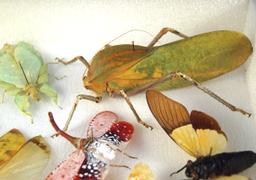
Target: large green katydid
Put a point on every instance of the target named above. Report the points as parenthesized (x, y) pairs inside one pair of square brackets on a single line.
[(128, 69), (24, 75)]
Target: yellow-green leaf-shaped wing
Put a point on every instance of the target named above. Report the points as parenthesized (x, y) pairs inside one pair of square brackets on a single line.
[(30, 60), (199, 135), (28, 163), (10, 144), (10, 71)]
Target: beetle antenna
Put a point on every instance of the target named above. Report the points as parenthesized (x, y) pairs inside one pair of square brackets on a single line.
[(77, 142), (178, 170)]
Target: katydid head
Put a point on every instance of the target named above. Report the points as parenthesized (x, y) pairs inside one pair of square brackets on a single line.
[(32, 91), (98, 87)]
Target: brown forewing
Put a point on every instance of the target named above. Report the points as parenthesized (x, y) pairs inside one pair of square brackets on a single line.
[(169, 113)]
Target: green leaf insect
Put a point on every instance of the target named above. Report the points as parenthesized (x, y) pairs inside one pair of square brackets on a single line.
[(24, 75)]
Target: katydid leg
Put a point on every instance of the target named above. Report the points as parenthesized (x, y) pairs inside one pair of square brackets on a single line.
[(78, 99), (133, 110), (163, 32), (75, 59), (192, 81), (212, 94)]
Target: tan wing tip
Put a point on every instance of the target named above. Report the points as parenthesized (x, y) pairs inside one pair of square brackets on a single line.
[(40, 142), (15, 131)]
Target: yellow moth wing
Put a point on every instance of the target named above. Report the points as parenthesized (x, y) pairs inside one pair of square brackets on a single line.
[(29, 162), (10, 143)]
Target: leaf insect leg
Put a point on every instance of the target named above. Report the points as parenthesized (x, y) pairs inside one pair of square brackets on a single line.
[(195, 83), (125, 96), (163, 32)]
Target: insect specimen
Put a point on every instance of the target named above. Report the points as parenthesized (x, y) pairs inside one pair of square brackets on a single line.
[(92, 158), (200, 136), (129, 69), (24, 75), (20, 159)]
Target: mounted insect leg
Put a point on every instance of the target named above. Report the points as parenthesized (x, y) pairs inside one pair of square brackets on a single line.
[(172, 75), (125, 96), (77, 58), (163, 32), (78, 99), (120, 166)]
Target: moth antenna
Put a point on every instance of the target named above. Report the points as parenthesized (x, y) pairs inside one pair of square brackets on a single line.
[(77, 142), (178, 170)]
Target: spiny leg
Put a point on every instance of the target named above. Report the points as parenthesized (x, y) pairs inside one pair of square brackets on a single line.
[(78, 99), (77, 58), (212, 94), (126, 154), (115, 148), (195, 83), (163, 32), (120, 166), (133, 110)]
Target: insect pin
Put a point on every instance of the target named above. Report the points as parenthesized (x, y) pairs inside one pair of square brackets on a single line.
[(91, 160), (200, 136), (129, 69), (21, 159), (24, 75)]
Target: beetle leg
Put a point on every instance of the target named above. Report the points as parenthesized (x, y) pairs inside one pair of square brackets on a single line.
[(77, 58), (133, 110), (163, 32), (78, 99)]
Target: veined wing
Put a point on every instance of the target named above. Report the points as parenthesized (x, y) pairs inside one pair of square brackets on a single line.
[(10, 144), (28, 163), (10, 71), (199, 135), (30, 60)]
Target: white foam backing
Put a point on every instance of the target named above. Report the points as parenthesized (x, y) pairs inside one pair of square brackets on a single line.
[(63, 28)]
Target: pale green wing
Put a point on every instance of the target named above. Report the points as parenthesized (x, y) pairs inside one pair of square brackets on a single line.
[(22, 101), (10, 71), (45, 87), (28, 163), (10, 144), (30, 60), (43, 75), (10, 89), (49, 91)]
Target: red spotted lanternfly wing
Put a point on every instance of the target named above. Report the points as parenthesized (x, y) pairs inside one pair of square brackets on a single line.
[(92, 164)]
